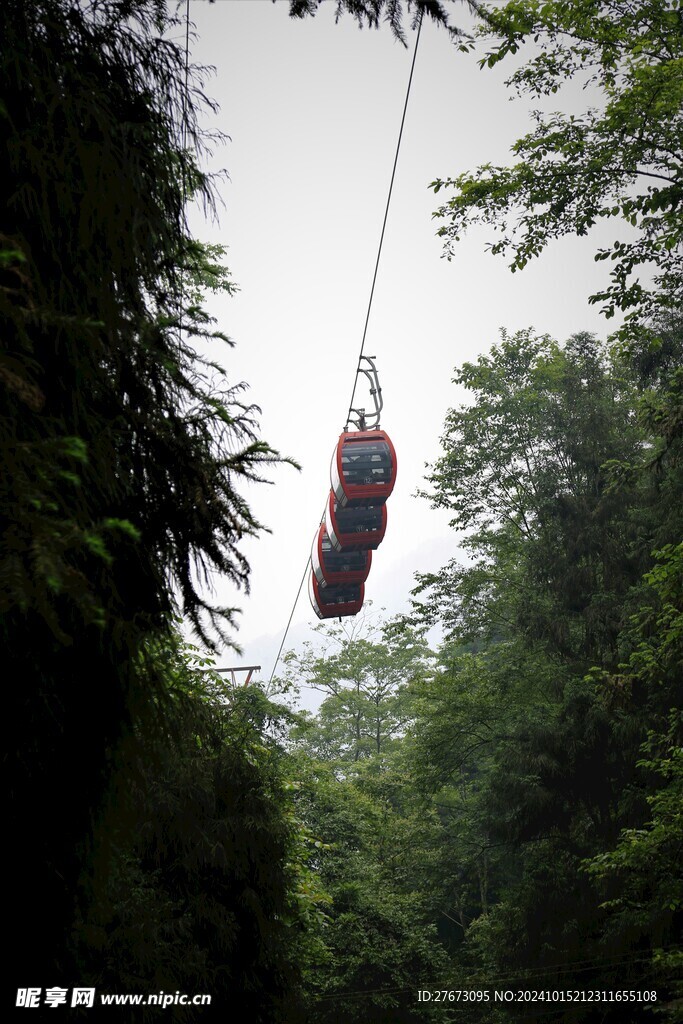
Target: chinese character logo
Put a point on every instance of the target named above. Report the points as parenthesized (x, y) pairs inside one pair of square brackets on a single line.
[(83, 997), (55, 997), (27, 997)]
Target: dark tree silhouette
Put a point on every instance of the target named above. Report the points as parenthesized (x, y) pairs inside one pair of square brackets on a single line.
[(122, 450)]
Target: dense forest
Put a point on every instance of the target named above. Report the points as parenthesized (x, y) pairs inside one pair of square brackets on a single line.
[(502, 813)]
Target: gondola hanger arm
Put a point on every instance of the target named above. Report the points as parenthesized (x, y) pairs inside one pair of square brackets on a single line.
[(358, 417)]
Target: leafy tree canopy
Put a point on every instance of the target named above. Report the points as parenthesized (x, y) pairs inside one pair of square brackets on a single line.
[(620, 158), (371, 13), (123, 450), (201, 879), (551, 739), (366, 679), (524, 473)]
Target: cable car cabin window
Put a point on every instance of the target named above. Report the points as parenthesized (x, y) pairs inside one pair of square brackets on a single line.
[(357, 519), (366, 462), (336, 566), (343, 561), (335, 600), (358, 527), (329, 596)]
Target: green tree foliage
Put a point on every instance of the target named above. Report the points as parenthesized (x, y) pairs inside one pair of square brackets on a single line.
[(524, 473), (377, 843), (366, 675), (201, 882), (620, 158), (468, 719), (641, 875), (376, 837), (371, 13), (548, 740), (123, 451)]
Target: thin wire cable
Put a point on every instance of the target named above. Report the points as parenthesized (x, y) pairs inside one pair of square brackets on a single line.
[(185, 93), (183, 164), (289, 622), (384, 223), (367, 319), (296, 601)]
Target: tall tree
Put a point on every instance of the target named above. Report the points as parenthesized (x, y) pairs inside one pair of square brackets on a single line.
[(123, 451), (377, 841), (620, 158), (201, 882), (524, 475), (366, 679), (531, 737)]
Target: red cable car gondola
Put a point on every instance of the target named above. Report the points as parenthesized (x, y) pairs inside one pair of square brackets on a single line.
[(338, 568), (355, 528), (331, 602), (363, 469)]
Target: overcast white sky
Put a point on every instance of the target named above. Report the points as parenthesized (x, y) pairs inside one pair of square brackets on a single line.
[(313, 111)]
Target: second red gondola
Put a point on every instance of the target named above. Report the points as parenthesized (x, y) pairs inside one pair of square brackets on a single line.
[(356, 527)]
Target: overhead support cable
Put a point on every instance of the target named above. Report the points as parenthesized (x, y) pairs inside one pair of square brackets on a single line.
[(289, 621), (384, 222), (359, 369)]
